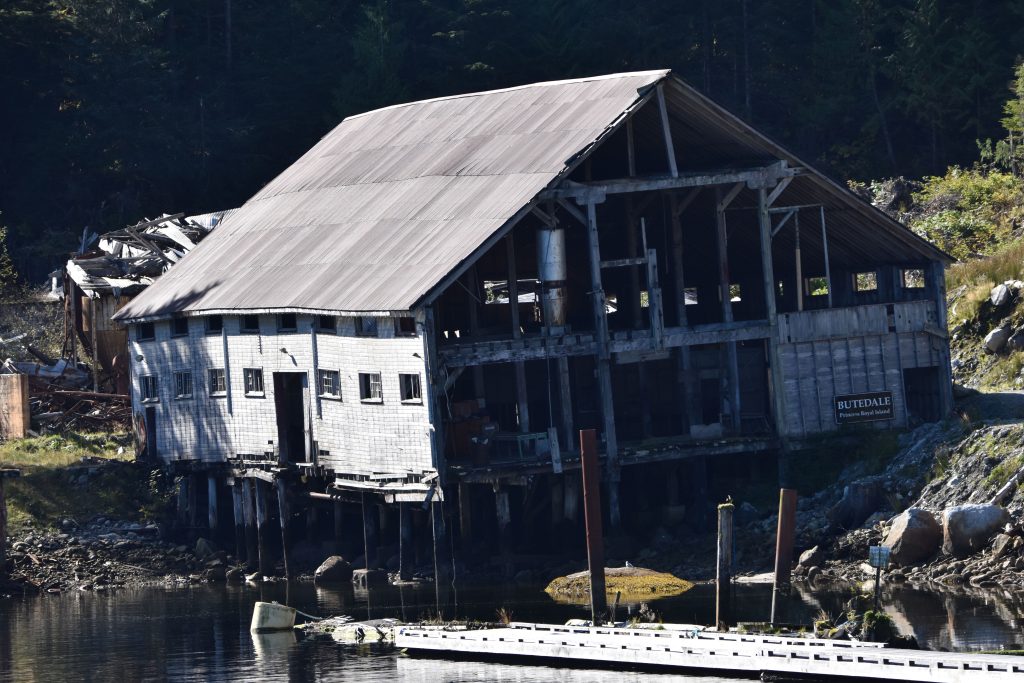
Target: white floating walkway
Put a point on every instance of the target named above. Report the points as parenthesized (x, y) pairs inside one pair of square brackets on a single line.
[(733, 653)]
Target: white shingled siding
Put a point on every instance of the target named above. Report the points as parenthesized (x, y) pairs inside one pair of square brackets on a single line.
[(359, 437)]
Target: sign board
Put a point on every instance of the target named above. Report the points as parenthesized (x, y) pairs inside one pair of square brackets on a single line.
[(868, 407), (878, 556)]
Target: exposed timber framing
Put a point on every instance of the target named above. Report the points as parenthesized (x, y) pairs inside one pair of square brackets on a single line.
[(722, 201), (596, 191), (776, 385), (522, 400), (824, 243), (666, 129)]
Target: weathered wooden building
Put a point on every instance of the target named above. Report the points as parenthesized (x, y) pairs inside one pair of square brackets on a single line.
[(428, 305)]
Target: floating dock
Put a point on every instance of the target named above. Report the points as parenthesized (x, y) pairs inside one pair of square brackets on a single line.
[(707, 651)]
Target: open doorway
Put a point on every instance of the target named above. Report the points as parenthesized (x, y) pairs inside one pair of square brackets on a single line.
[(290, 390), (923, 396)]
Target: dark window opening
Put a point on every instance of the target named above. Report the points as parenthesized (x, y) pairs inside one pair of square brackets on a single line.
[(183, 385), (366, 326), (913, 278), (253, 381), (370, 390), (179, 327), (287, 322), (326, 323), (218, 382), (329, 383), (145, 332), (214, 324), (250, 323), (865, 282), (409, 386), (405, 326), (149, 388)]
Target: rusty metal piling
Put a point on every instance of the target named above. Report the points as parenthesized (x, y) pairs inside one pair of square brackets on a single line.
[(592, 516)]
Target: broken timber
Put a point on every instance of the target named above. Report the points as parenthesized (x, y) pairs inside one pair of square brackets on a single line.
[(690, 648)]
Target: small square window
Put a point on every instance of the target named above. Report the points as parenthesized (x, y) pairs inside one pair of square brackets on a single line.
[(370, 390), (865, 282), (366, 326), (329, 383), (150, 389), (183, 384), (218, 383), (250, 324), (253, 381), (145, 332), (214, 324), (326, 323), (179, 327), (405, 326), (409, 385), (913, 278), (286, 322)]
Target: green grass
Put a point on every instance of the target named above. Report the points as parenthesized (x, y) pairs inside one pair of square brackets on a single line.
[(56, 484), (1002, 472)]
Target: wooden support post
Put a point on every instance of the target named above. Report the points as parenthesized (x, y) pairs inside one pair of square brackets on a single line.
[(688, 399), (339, 527), (251, 542), (95, 346), (732, 358), (666, 130), (784, 546), (777, 395), (465, 514), (405, 542), (503, 514), (183, 498), (4, 475), (522, 398), (592, 515), (283, 513), (211, 503), (604, 373), (635, 309), (239, 519), (824, 243), (723, 576), (565, 401), (799, 264), (266, 567), (440, 547), (371, 520), (193, 500), (472, 290)]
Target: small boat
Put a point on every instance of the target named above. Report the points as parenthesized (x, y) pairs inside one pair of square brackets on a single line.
[(272, 616)]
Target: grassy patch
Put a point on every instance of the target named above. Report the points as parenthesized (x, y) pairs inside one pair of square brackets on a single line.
[(634, 583), (1004, 263), (78, 477), (1002, 472)]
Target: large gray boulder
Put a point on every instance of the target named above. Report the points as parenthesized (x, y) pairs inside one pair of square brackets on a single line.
[(915, 535), (968, 528), (1000, 295), (997, 338), (860, 499), (334, 570)]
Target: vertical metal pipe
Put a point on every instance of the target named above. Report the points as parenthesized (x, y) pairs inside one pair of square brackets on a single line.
[(784, 545), (592, 517), (723, 576)]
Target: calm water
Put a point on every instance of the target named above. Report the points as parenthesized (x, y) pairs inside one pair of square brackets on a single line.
[(202, 633)]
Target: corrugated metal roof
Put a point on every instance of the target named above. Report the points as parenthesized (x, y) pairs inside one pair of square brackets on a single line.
[(389, 202)]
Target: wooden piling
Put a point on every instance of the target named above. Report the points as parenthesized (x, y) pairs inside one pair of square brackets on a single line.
[(282, 510), (784, 545), (723, 577), (405, 542), (440, 547), (4, 475), (183, 497), (266, 566), (193, 500), (371, 522), (239, 518), (592, 516), (339, 527), (211, 506), (249, 514)]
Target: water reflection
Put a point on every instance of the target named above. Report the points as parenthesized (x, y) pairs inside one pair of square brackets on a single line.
[(202, 633)]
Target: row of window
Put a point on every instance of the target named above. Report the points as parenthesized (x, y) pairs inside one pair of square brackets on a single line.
[(366, 326), (328, 385)]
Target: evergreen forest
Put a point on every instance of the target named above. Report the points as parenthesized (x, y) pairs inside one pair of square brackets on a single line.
[(113, 110)]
